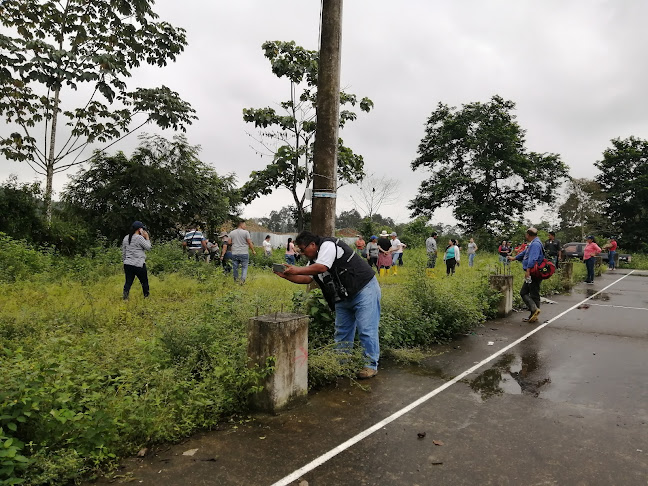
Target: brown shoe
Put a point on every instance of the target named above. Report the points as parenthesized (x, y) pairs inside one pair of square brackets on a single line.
[(365, 373), (534, 316)]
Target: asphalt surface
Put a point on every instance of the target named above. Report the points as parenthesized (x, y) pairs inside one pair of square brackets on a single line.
[(567, 406)]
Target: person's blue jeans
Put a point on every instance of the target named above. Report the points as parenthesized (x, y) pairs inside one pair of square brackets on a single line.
[(290, 259), (589, 264), (395, 257), (611, 262), (503, 260), (242, 261), (471, 259), (362, 312)]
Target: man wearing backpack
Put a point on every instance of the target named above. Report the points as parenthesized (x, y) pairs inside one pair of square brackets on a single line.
[(530, 291), (350, 287)]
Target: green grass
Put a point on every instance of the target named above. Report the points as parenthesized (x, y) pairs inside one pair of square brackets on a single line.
[(87, 378)]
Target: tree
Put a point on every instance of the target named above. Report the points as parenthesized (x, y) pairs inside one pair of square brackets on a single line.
[(65, 47), (582, 211), (481, 168), (21, 210), (624, 181), (373, 192), (282, 221), (348, 219), (288, 135), (163, 184)]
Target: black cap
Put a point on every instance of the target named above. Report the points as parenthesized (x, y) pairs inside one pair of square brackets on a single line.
[(138, 225)]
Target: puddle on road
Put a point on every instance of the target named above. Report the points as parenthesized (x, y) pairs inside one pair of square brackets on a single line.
[(604, 296), (514, 374)]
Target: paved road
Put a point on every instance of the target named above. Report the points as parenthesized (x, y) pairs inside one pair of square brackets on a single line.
[(568, 405)]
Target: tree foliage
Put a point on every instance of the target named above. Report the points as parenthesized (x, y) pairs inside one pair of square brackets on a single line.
[(624, 181), (373, 192), (480, 167), (163, 184), (56, 48), (282, 221), (582, 212), (287, 134)]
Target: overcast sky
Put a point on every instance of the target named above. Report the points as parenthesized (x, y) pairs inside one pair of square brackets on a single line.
[(575, 69)]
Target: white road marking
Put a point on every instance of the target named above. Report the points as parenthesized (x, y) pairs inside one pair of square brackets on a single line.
[(621, 306), (367, 432)]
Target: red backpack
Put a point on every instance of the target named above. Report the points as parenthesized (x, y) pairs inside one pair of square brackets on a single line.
[(543, 269)]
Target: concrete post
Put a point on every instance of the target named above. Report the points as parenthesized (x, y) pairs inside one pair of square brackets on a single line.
[(284, 337), (598, 262), (567, 272), (503, 284)]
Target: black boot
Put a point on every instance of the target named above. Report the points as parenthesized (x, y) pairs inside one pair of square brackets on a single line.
[(125, 295)]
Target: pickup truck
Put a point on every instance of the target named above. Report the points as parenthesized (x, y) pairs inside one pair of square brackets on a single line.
[(575, 250)]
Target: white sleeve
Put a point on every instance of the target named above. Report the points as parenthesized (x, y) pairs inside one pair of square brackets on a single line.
[(457, 255), (327, 253)]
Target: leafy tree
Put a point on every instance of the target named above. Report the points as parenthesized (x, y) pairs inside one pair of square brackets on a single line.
[(21, 206), (58, 48), (480, 167), (282, 221), (287, 135), (163, 184), (624, 181), (582, 212), (348, 219)]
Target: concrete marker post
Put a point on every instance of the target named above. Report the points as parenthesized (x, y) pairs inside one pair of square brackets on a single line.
[(284, 337), (503, 284)]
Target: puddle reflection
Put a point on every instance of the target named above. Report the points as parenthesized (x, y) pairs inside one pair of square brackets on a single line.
[(514, 374)]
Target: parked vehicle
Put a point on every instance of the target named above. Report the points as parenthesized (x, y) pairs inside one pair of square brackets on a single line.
[(576, 250)]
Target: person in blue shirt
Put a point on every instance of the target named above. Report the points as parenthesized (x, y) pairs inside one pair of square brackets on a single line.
[(530, 291)]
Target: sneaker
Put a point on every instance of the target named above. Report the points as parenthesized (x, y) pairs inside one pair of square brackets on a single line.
[(365, 373), (589, 283), (534, 316)]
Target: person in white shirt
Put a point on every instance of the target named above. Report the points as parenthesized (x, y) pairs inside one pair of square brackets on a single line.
[(267, 246), (396, 249)]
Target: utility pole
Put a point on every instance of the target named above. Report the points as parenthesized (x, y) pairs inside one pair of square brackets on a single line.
[(328, 120)]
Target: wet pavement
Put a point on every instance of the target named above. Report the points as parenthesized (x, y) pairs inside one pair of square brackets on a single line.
[(568, 406)]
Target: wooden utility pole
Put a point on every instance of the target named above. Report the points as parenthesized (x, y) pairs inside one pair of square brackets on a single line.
[(328, 120)]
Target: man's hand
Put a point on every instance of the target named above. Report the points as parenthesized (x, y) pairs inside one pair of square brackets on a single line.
[(510, 258)]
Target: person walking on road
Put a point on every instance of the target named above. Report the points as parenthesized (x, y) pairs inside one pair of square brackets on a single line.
[(241, 241), (431, 249), (530, 291), (553, 249), (134, 248), (472, 249), (589, 254), (451, 257), (350, 287)]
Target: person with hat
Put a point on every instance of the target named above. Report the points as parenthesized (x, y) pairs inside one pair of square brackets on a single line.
[(396, 250), (373, 251), (350, 288), (590, 251), (384, 253), (134, 247)]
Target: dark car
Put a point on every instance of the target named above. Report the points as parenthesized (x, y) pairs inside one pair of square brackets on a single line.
[(576, 250)]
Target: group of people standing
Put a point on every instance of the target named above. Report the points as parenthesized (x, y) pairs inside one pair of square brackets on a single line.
[(384, 253)]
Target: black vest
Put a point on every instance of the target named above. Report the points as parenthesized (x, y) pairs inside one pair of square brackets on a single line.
[(349, 274)]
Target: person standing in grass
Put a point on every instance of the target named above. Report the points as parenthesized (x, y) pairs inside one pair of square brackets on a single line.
[(372, 252), (134, 248), (451, 257), (350, 287), (431, 249), (267, 246), (290, 252), (472, 249), (589, 254), (226, 252), (241, 241), (504, 251), (530, 291), (384, 256)]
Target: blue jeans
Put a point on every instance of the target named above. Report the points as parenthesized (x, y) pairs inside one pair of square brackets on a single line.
[(241, 260), (362, 312), (503, 260), (611, 262), (290, 259), (395, 257), (471, 259), (589, 264)]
